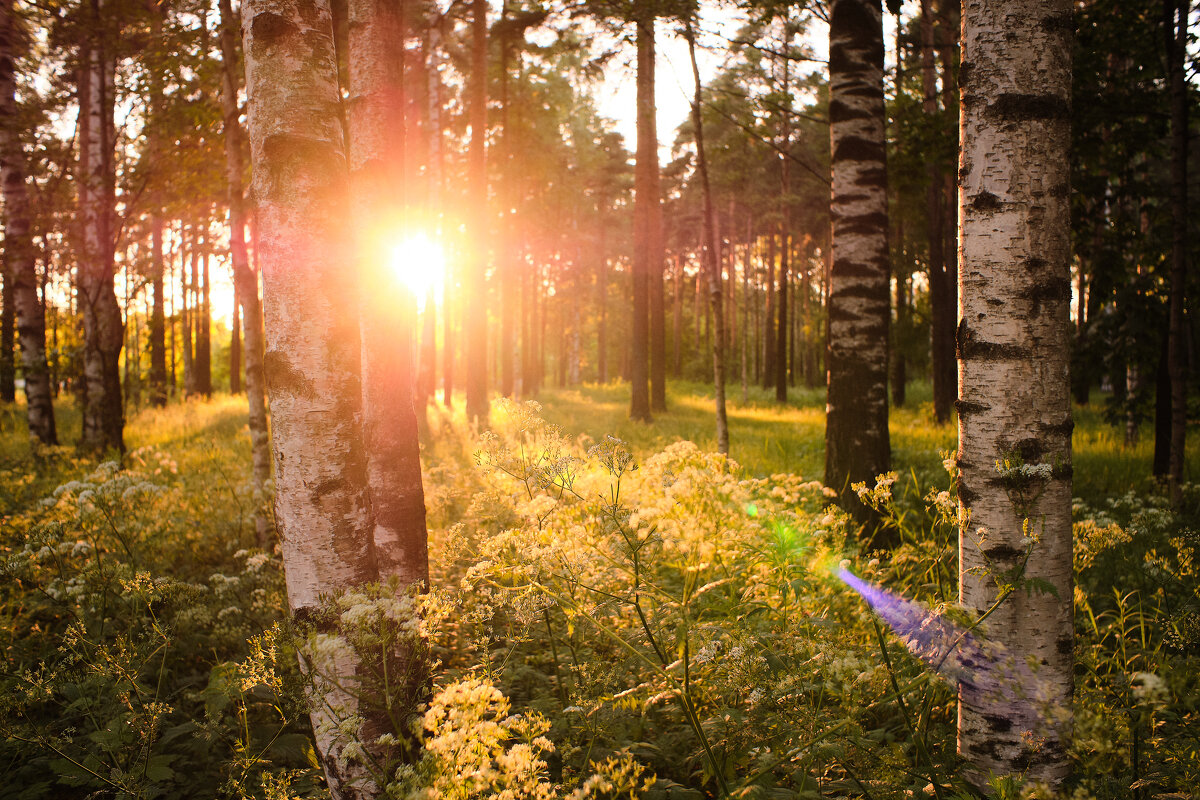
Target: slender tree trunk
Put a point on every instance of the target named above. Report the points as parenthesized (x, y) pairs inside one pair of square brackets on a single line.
[(235, 345), (187, 271), (1014, 406), (157, 333), (1177, 13), (713, 266), (768, 327), (104, 336), (646, 198), (942, 310), (388, 325), (602, 298), (245, 278), (857, 447), (785, 232), (746, 323), (20, 279), (781, 342), (476, 285), (203, 358), (507, 265), (899, 365), (301, 188), (677, 313), (949, 23)]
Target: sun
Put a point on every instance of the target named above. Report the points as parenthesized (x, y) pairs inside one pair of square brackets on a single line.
[(419, 263)]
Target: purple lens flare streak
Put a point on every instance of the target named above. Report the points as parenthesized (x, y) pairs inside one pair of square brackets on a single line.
[(985, 672)]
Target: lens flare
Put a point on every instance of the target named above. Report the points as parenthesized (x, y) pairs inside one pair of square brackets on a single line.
[(985, 671), (420, 264)]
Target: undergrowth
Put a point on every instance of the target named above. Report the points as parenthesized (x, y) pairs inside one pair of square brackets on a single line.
[(606, 620)]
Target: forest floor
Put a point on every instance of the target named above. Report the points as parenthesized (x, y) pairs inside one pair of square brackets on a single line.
[(147, 650)]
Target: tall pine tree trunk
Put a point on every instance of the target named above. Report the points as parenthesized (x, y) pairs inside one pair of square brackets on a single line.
[(942, 310), (235, 345), (711, 262), (157, 332), (857, 447), (646, 197), (245, 277), (8, 317), (476, 283), (1014, 406), (1177, 15), (103, 331), (203, 357), (20, 278)]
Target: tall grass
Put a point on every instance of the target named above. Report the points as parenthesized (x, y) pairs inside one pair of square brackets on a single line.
[(768, 438)]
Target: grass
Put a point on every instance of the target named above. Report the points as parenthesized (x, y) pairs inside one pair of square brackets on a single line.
[(768, 438), (765, 437)]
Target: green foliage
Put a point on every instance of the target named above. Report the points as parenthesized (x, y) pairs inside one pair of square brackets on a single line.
[(125, 613), (608, 619)]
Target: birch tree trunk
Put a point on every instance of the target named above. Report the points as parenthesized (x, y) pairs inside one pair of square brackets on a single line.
[(1014, 407), (20, 263), (310, 299), (388, 320), (245, 278), (645, 194), (711, 264), (856, 433), (103, 331)]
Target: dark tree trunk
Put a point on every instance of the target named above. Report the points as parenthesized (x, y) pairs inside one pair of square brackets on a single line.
[(942, 310), (507, 256), (602, 301), (781, 342), (857, 447), (245, 279), (203, 359), (476, 285), (1177, 13), (768, 326), (20, 279), (235, 346), (711, 261), (645, 196), (677, 311), (104, 336), (8, 316), (157, 333)]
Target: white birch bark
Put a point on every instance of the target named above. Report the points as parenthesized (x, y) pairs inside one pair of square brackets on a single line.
[(857, 447), (301, 185), (103, 330), (20, 266), (1013, 336)]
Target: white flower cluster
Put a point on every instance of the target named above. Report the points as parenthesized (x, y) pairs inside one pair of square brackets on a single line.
[(1025, 473)]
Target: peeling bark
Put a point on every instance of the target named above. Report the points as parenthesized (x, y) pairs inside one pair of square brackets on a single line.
[(310, 296)]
